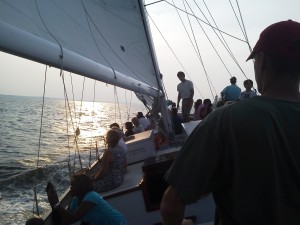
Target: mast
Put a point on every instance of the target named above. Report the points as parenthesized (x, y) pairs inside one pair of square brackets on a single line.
[(162, 99)]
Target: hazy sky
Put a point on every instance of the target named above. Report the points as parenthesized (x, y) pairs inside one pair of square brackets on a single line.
[(22, 77)]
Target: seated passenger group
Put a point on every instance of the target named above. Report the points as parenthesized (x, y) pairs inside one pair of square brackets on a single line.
[(113, 162)]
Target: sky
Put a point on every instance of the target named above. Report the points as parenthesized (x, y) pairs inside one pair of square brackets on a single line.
[(208, 73)]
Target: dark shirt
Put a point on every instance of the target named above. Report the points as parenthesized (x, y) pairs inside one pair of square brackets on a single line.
[(128, 133), (176, 120), (247, 155)]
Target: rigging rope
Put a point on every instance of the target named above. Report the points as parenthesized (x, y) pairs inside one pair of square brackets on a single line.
[(117, 102), (202, 62), (224, 42), (60, 60), (61, 49), (69, 108), (42, 115), (171, 50), (81, 100), (237, 19), (211, 42), (40, 138), (77, 121), (199, 56), (215, 28), (128, 109), (69, 158), (197, 52), (206, 22), (93, 112), (89, 18), (164, 88), (246, 37)]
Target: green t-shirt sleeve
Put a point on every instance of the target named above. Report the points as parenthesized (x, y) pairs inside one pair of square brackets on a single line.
[(197, 169)]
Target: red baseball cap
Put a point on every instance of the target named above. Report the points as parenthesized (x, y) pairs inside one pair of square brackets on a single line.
[(279, 39)]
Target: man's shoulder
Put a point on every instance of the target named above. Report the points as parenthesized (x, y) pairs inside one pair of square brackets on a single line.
[(189, 81)]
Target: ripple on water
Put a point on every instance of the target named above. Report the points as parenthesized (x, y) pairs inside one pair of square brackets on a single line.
[(19, 147)]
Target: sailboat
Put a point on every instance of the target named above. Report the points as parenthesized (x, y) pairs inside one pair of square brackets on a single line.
[(108, 41)]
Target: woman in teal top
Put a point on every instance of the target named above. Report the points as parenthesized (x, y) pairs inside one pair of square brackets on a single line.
[(87, 205)]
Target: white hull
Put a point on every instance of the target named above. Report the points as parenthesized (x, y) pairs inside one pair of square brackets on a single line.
[(133, 207), (133, 197)]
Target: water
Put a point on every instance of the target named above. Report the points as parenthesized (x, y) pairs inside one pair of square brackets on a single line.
[(20, 124)]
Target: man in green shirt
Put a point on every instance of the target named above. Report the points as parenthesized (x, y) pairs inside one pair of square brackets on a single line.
[(247, 154)]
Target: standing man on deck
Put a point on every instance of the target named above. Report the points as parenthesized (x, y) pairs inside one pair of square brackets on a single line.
[(185, 92), (247, 154)]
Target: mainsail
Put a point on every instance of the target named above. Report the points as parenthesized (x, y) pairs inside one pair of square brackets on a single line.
[(100, 39), (106, 40)]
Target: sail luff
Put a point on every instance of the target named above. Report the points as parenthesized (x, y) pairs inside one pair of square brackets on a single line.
[(164, 108)]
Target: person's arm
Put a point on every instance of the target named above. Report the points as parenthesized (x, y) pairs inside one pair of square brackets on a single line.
[(178, 99), (106, 159), (69, 218), (172, 207), (192, 91), (223, 93)]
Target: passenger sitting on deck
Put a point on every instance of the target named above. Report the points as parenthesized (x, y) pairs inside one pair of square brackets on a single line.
[(129, 129), (121, 142), (197, 105), (176, 121), (123, 138), (206, 109), (138, 128), (231, 92), (143, 121), (113, 164), (86, 206)]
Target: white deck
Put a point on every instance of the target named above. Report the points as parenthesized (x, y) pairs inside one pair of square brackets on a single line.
[(132, 179), (134, 175), (128, 198), (190, 126), (141, 147)]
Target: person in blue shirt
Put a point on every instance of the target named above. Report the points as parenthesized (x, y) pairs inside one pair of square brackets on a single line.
[(86, 206), (231, 92)]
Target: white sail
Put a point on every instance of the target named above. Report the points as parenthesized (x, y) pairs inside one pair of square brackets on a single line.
[(103, 40)]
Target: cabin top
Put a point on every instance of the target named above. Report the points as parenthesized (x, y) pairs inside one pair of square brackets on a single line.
[(140, 137)]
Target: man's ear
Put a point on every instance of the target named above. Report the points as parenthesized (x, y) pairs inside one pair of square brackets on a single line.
[(261, 60)]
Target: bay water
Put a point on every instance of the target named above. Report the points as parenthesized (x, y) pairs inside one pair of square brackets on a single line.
[(38, 144)]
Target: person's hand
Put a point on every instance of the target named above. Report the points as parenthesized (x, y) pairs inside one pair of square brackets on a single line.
[(187, 222)]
